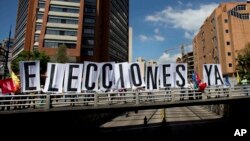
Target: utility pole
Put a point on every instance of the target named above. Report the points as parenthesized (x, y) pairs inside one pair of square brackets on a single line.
[(182, 50), (6, 70)]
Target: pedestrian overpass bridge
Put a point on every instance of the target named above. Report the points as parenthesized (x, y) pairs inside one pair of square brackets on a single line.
[(99, 102)]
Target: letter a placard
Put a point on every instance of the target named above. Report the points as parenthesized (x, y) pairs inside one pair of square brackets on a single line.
[(212, 74)]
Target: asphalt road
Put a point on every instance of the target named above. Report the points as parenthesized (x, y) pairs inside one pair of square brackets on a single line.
[(178, 114)]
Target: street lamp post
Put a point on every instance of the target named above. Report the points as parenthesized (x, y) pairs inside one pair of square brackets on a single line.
[(6, 70)]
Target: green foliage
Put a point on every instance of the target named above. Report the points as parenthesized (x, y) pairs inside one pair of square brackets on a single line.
[(243, 62), (61, 55), (35, 55)]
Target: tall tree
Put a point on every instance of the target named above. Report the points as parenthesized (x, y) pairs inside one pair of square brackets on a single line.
[(243, 62), (61, 55), (35, 55)]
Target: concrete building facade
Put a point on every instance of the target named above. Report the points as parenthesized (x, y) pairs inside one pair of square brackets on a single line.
[(92, 30), (130, 49), (189, 59), (224, 33), (142, 63)]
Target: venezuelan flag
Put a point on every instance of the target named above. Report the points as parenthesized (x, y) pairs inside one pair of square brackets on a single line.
[(238, 78), (16, 81)]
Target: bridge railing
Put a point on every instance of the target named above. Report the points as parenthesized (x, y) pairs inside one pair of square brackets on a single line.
[(48, 101)]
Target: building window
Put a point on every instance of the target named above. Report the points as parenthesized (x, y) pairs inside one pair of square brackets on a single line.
[(38, 27), (64, 9), (89, 20), (90, 10), (41, 5), (90, 1), (39, 16), (56, 44), (77, 1), (229, 54), (241, 7), (226, 21), (228, 43), (230, 65), (244, 16), (88, 41), (61, 32), (227, 31), (89, 31), (56, 19), (36, 38), (88, 52), (203, 43)]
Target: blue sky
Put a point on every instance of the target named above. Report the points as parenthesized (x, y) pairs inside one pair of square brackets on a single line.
[(157, 25), (8, 11)]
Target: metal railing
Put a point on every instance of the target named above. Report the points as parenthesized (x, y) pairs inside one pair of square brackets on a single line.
[(48, 101)]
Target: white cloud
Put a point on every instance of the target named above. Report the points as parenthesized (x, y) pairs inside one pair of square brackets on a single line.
[(189, 5), (159, 38), (156, 37), (188, 35), (188, 48), (168, 58), (144, 38), (188, 19), (157, 31), (179, 2)]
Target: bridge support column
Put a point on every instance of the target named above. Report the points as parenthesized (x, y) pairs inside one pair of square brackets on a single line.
[(230, 92), (137, 98), (173, 96), (96, 100), (48, 102)]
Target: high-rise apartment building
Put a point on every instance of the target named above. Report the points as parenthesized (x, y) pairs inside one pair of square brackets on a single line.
[(151, 63), (224, 33), (92, 30), (142, 63), (189, 59), (130, 47)]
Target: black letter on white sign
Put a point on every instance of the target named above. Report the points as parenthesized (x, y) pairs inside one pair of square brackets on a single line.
[(133, 68), (165, 75), (121, 76), (71, 77), (152, 76), (88, 75), (52, 73), (28, 76), (178, 67), (208, 73), (104, 76), (217, 75)]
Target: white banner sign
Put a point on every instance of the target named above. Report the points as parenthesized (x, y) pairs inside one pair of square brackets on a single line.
[(181, 75), (73, 78), (30, 76), (166, 74), (109, 75), (91, 75), (55, 76), (212, 74), (122, 79), (136, 76), (152, 78)]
